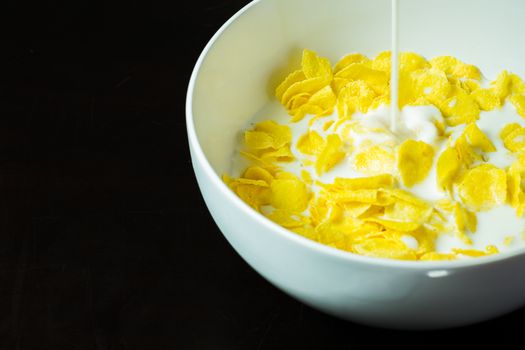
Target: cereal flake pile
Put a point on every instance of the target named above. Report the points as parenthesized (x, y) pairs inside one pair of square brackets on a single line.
[(372, 215)]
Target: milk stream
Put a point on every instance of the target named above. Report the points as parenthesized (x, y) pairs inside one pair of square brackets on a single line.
[(394, 71)]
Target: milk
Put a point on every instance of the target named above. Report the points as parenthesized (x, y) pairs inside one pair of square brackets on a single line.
[(394, 73)]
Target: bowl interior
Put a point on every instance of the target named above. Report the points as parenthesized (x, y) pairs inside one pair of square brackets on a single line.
[(254, 51)]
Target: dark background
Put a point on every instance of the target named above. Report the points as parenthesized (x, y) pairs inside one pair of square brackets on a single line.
[(105, 240)]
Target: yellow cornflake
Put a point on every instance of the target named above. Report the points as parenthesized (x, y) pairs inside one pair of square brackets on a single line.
[(410, 61), (467, 153), (280, 134), (258, 140), (355, 96), (517, 85), (513, 136), (287, 219), (359, 183), (298, 100), (483, 187), (268, 134), (306, 231), (383, 62), (448, 166), (332, 236), (328, 124), (519, 103), (402, 226), (320, 103), (474, 253), (305, 91), (330, 155), (405, 211), (380, 100), (454, 67), (501, 86), (255, 193), (243, 181), (516, 195), (406, 89), (460, 108), (307, 178), (477, 139), (376, 79), (356, 196), (311, 143), (510, 85), (469, 252), (350, 59), (408, 197), (338, 84), (469, 71), (432, 84), (508, 129), (288, 193), (333, 214), (267, 143), (438, 222), (435, 256), (469, 85), (304, 88), (290, 80), (425, 239), (385, 248), (375, 160), (515, 192), (464, 221), (283, 154), (372, 211), (265, 163), (258, 173), (356, 209), (319, 210), (486, 99), (314, 66), (414, 160)]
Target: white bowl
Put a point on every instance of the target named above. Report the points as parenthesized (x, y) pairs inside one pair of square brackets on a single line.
[(236, 76)]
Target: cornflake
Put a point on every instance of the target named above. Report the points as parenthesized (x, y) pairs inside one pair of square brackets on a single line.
[(483, 187), (375, 160), (414, 161)]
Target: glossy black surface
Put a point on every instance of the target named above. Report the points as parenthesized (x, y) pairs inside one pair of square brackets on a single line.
[(105, 241)]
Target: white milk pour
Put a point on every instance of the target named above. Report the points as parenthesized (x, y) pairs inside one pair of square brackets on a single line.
[(394, 72)]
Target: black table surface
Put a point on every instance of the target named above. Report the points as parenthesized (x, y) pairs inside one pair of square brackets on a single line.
[(106, 242)]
